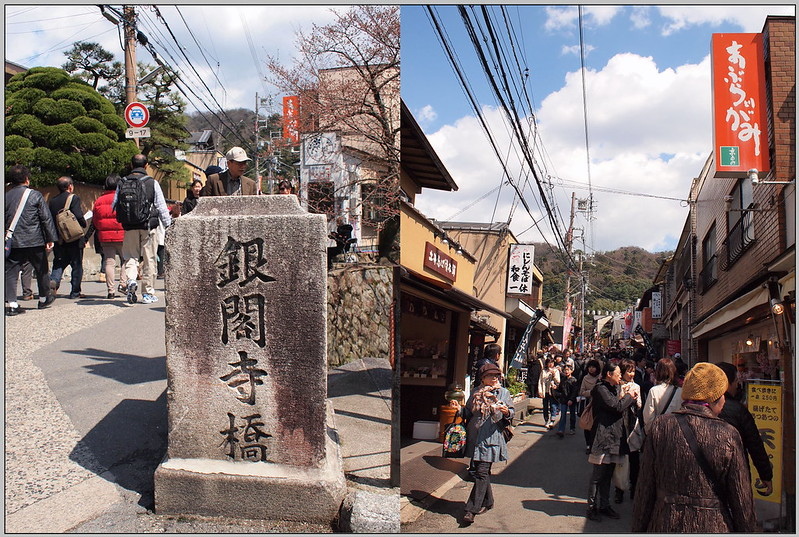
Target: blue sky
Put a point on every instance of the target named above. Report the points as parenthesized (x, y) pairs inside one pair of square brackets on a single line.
[(215, 37), (648, 107)]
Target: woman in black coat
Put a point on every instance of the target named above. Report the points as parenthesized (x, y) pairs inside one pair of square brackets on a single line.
[(610, 441), (192, 198)]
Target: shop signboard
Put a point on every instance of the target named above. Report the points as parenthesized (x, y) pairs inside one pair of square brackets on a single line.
[(673, 346), (657, 305), (740, 122), (764, 400), (439, 262), (520, 269)]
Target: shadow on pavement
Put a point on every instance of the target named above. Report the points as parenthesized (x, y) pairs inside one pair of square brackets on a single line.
[(125, 368), (442, 506), (129, 442), (360, 382)]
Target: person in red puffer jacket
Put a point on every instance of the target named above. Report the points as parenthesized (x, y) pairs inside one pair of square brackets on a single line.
[(109, 231)]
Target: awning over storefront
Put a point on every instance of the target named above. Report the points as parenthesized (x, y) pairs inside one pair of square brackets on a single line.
[(736, 308), (446, 291)]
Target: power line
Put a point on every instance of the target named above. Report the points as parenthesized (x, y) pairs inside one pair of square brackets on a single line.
[(585, 122)]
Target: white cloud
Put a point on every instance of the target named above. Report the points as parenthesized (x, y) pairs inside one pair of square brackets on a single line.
[(601, 15), (650, 134), (750, 18), (560, 18), (565, 18), (426, 114), (574, 50), (640, 17)]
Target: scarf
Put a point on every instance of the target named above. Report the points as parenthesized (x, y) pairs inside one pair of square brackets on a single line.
[(484, 397)]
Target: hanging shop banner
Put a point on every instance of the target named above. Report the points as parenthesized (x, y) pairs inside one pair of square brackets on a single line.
[(439, 262), (291, 118), (765, 403), (673, 346), (740, 122), (657, 305), (520, 356), (520, 269), (650, 348)]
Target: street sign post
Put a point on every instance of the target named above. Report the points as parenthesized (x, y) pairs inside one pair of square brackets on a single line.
[(137, 115), (143, 132)]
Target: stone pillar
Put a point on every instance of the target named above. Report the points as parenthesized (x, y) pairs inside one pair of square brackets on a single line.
[(250, 429)]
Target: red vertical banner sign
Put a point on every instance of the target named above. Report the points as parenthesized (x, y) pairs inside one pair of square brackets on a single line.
[(291, 118), (740, 122)]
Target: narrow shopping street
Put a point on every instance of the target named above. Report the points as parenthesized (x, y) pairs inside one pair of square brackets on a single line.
[(541, 489)]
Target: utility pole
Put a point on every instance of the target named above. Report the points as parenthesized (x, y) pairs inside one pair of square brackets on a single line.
[(257, 152), (130, 56), (569, 240), (582, 304)]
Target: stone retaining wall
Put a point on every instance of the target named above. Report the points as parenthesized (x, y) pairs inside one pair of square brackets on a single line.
[(359, 299)]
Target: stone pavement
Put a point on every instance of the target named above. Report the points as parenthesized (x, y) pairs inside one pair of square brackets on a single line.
[(85, 412)]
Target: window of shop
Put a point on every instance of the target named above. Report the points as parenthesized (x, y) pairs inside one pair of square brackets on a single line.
[(740, 226), (426, 342), (708, 276)]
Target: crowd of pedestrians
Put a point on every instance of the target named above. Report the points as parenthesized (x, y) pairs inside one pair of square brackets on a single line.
[(127, 222), (674, 440)]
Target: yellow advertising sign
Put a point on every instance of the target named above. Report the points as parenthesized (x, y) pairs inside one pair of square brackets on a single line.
[(765, 403)]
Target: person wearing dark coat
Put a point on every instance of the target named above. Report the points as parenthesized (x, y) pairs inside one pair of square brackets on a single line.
[(674, 494), (491, 353), (193, 194), (566, 396), (68, 254), (736, 414), (610, 441), (34, 236)]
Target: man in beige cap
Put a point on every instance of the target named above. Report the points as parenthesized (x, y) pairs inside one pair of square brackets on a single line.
[(232, 181), (694, 477)]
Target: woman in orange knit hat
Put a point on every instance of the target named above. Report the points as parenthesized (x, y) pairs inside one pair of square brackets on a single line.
[(694, 477)]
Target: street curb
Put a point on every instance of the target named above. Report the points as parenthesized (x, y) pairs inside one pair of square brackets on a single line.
[(65, 510)]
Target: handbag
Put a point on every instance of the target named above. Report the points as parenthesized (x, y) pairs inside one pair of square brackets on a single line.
[(586, 421), (635, 441), (10, 231), (621, 474), (454, 445), (507, 430)]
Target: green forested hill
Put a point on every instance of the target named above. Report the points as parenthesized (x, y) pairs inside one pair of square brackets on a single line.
[(616, 278)]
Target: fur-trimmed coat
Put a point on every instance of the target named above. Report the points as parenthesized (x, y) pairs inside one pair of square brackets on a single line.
[(674, 496)]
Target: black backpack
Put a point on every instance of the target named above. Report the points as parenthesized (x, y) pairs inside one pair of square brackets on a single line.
[(134, 205)]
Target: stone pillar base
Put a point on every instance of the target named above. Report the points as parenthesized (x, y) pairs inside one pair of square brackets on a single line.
[(253, 490)]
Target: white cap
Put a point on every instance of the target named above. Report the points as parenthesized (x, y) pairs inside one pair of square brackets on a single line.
[(677, 355), (237, 154)]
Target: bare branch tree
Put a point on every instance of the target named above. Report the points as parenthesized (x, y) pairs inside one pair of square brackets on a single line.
[(347, 76)]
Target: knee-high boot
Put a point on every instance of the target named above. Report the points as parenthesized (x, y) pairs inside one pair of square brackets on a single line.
[(593, 492)]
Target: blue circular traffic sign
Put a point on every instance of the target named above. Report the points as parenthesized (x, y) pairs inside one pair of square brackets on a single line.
[(137, 115)]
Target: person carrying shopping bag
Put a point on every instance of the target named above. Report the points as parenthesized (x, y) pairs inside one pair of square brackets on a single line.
[(487, 412)]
